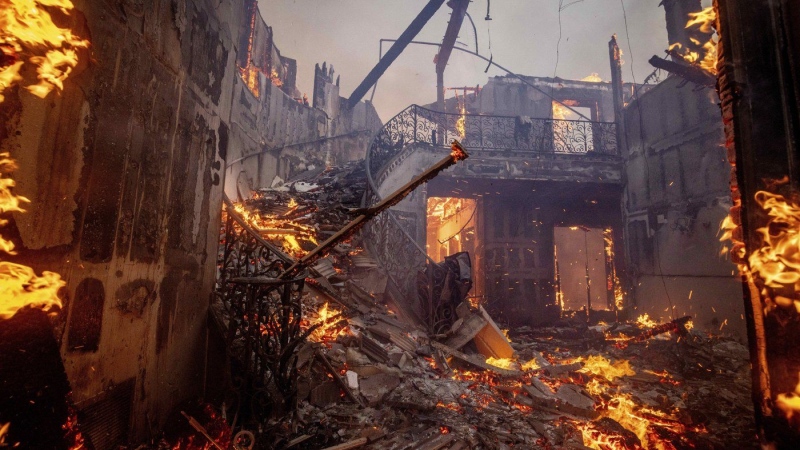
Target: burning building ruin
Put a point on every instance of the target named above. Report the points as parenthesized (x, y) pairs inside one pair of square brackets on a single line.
[(196, 255)]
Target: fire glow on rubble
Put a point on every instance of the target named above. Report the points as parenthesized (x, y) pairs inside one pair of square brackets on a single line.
[(600, 366), (789, 403), (28, 34), (285, 232), (645, 321), (705, 21), (503, 363), (328, 319)]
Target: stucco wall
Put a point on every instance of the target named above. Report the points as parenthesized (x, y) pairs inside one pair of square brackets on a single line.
[(677, 195)]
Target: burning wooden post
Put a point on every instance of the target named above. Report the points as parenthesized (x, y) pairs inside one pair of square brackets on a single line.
[(758, 88)]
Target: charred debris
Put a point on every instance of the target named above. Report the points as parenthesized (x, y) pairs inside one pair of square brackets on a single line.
[(344, 370)]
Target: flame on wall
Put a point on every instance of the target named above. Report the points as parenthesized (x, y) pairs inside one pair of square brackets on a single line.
[(29, 38), (705, 21)]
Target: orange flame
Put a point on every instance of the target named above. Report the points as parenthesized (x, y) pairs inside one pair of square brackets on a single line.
[(593, 77), (457, 151), (645, 321), (600, 366), (327, 318), (284, 231), (29, 30), (276, 78), (704, 21), (19, 285)]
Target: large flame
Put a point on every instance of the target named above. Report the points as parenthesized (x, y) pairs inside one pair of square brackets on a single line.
[(704, 21), (600, 366), (330, 324), (28, 34), (645, 321), (777, 261)]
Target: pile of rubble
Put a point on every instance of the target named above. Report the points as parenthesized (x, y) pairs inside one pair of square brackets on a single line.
[(366, 379), (299, 214), (372, 381)]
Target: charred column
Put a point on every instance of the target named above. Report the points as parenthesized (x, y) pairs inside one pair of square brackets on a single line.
[(758, 85)]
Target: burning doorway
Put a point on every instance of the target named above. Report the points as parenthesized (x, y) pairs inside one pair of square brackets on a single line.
[(584, 267), (452, 228)]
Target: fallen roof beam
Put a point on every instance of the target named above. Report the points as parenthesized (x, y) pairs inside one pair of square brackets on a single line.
[(402, 42), (690, 73)]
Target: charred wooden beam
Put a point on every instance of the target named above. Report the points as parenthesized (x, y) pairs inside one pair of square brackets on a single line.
[(690, 73), (676, 326), (457, 153), (402, 42)]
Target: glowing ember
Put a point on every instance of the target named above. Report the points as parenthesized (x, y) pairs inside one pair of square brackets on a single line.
[(789, 403), (645, 321), (503, 363), (28, 30), (530, 365), (4, 432)]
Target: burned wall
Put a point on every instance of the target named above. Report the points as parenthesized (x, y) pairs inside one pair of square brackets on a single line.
[(275, 135), (509, 96), (124, 172), (676, 196)]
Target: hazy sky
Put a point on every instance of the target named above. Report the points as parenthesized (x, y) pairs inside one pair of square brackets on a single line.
[(524, 38)]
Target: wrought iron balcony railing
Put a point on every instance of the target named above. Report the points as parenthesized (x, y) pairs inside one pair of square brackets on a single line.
[(416, 124), (388, 238)]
